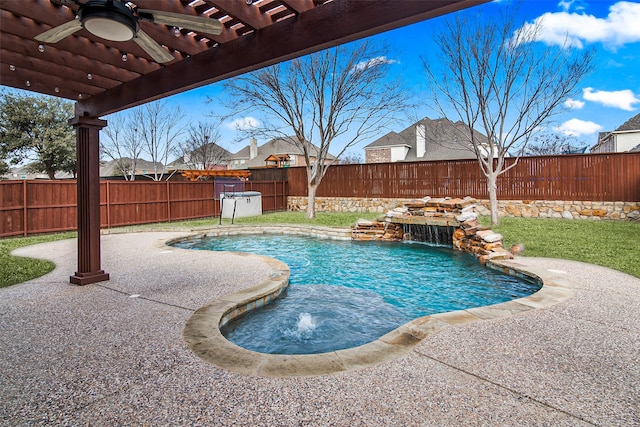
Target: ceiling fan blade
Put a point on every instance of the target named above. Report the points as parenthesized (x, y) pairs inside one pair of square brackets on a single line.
[(56, 34), (150, 46), (194, 23)]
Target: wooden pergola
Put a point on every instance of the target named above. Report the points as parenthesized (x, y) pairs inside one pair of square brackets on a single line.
[(104, 76), (196, 174), (278, 160)]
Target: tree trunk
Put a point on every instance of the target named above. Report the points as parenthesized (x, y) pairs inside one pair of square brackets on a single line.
[(50, 171), (311, 201), (493, 197)]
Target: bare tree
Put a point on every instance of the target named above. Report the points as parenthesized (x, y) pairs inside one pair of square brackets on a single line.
[(159, 129), (351, 158), (548, 143), (200, 150), (498, 80), (121, 144), (341, 94)]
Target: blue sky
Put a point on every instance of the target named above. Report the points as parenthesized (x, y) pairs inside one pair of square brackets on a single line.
[(605, 99)]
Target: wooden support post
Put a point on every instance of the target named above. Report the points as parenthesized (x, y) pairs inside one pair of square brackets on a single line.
[(88, 156)]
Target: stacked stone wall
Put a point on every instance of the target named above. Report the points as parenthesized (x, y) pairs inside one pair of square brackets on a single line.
[(506, 208), (468, 236)]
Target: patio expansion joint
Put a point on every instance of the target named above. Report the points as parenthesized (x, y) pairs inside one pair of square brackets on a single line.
[(504, 387), (145, 298)]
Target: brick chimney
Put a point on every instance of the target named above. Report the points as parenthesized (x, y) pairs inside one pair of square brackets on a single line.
[(253, 148)]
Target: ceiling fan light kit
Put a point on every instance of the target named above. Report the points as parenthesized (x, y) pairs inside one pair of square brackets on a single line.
[(115, 21), (111, 21)]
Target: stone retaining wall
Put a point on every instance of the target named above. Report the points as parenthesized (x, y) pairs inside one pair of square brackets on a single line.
[(506, 208)]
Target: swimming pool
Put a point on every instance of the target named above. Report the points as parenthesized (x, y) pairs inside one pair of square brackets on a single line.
[(347, 293)]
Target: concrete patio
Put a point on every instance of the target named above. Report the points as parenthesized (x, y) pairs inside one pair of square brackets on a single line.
[(113, 353)]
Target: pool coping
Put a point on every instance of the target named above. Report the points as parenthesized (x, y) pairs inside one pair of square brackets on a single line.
[(202, 332)]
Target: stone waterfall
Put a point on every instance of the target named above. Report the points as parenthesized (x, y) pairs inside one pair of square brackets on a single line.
[(441, 221), (439, 235)]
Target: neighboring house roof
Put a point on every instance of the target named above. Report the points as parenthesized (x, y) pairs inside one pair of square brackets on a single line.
[(219, 157), (633, 124), (111, 168), (392, 139), (25, 172), (275, 147), (635, 149), (177, 164), (444, 140), (602, 136)]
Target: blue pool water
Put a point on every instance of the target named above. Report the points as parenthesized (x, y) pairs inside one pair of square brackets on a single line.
[(347, 293)]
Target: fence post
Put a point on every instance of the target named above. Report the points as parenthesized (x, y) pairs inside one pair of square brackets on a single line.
[(168, 203), (24, 208), (285, 201), (108, 205)]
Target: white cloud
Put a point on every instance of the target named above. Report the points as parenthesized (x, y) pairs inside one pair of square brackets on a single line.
[(243, 123), (574, 104), (378, 60), (577, 127), (567, 5), (576, 29), (623, 99)]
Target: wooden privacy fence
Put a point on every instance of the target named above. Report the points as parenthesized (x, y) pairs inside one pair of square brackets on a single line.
[(592, 177), (30, 207)]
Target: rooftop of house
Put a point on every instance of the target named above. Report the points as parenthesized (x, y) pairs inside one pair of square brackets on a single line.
[(26, 172), (111, 168), (632, 124), (277, 146), (217, 158), (444, 140)]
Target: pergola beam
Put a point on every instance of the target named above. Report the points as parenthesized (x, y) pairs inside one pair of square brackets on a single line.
[(278, 42)]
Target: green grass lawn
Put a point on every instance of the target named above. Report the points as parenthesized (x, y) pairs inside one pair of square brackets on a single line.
[(15, 269), (614, 244), (322, 219)]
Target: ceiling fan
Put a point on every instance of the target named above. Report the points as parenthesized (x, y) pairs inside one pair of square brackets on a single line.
[(117, 21)]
